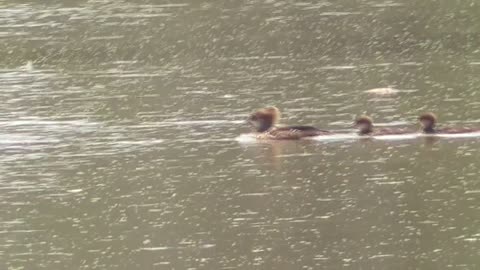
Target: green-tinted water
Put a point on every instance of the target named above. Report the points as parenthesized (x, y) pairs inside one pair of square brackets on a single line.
[(118, 141)]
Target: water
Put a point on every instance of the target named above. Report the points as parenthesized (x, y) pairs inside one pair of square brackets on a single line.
[(120, 125)]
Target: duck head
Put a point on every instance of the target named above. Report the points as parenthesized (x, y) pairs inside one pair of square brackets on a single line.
[(428, 122), (264, 119), (364, 125)]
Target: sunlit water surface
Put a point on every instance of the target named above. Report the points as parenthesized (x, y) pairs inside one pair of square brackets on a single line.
[(123, 143)]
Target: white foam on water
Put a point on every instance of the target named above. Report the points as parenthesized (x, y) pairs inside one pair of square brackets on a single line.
[(354, 136), (252, 138), (156, 248), (336, 137), (246, 138), (337, 67), (453, 136), (388, 91), (396, 137), (382, 91), (75, 190), (28, 66)]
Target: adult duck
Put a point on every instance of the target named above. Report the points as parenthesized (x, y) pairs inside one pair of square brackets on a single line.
[(265, 123)]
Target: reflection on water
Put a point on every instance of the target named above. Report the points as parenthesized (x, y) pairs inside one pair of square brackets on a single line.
[(121, 145)]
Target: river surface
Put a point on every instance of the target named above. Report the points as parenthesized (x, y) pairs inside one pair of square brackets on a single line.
[(121, 129)]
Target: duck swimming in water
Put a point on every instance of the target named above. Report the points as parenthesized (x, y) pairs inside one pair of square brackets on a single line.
[(365, 128), (428, 122), (264, 122)]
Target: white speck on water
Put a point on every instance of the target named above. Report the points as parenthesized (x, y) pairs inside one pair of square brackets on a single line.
[(28, 66), (382, 91), (156, 248), (381, 256)]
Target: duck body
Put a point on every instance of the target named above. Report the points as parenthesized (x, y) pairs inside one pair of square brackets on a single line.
[(450, 130), (365, 128), (264, 123), (292, 133), (385, 132), (428, 123)]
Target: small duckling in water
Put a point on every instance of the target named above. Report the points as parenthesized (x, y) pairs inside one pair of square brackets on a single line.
[(264, 122), (365, 128), (428, 122)]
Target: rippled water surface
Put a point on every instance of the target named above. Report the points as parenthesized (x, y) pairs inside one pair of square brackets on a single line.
[(121, 145)]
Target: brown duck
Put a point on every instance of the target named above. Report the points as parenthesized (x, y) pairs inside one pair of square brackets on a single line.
[(264, 122), (428, 123), (366, 128)]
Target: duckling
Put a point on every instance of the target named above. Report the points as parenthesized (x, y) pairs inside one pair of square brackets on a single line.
[(365, 128), (428, 122), (264, 122)]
